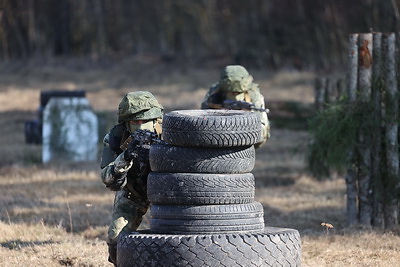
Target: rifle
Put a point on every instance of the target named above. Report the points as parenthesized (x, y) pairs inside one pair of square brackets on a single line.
[(242, 105), (142, 140), (146, 137), (143, 137)]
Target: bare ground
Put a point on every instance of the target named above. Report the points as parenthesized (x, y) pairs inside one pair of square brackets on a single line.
[(57, 214)]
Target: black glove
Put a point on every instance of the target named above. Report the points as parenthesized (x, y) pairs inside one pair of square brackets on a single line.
[(132, 152), (143, 154), (119, 182), (144, 164)]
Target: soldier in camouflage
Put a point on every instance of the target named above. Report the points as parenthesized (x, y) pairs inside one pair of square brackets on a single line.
[(237, 84), (121, 170)]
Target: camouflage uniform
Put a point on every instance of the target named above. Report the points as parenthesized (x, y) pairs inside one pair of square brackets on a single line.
[(237, 84), (123, 174)]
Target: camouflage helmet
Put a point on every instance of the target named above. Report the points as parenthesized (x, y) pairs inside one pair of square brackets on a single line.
[(235, 78), (140, 105)]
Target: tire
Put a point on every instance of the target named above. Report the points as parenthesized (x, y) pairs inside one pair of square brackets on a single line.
[(174, 159), (271, 247), (211, 128), (207, 212), (200, 189), (208, 219), (163, 226)]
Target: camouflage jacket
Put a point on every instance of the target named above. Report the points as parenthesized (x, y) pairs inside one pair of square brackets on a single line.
[(112, 162)]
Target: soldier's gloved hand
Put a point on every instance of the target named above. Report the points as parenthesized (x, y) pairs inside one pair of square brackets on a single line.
[(118, 183), (144, 160), (143, 154), (132, 152)]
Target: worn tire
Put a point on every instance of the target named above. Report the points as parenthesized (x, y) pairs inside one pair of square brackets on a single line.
[(175, 159), (272, 247), (200, 188), (207, 219), (211, 128)]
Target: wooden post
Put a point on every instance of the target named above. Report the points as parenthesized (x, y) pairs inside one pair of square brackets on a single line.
[(391, 133), (320, 84), (353, 68), (351, 185), (331, 90), (364, 137), (341, 87), (376, 142)]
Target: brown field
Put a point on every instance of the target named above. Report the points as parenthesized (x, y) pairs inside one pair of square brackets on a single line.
[(57, 214)]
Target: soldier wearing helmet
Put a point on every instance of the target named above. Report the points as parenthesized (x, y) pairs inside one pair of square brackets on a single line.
[(237, 84), (122, 172)]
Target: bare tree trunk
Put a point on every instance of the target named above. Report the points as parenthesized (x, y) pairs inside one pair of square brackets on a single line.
[(101, 36), (396, 19), (11, 15), (391, 133), (31, 27), (4, 39), (364, 137), (61, 27), (351, 185), (376, 145)]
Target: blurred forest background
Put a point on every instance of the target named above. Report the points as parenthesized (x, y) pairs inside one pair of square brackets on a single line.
[(300, 34)]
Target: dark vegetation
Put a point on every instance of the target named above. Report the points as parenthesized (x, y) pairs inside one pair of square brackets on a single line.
[(300, 34)]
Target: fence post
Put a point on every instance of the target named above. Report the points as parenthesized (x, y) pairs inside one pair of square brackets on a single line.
[(391, 132), (350, 178), (376, 142), (364, 137), (341, 87), (331, 90), (320, 83)]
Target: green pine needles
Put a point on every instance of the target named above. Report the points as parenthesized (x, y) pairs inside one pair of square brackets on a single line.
[(334, 133)]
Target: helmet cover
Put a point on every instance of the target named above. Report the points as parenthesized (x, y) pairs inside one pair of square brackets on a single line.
[(235, 78), (140, 105)]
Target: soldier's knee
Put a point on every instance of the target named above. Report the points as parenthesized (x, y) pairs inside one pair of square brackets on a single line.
[(115, 229)]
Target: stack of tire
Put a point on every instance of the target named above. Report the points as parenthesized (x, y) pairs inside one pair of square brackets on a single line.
[(201, 191)]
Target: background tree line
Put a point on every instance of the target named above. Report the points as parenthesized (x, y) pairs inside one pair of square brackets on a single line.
[(260, 33)]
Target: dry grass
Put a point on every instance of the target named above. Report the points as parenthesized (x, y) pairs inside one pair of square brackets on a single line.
[(43, 245), (355, 248), (57, 214)]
